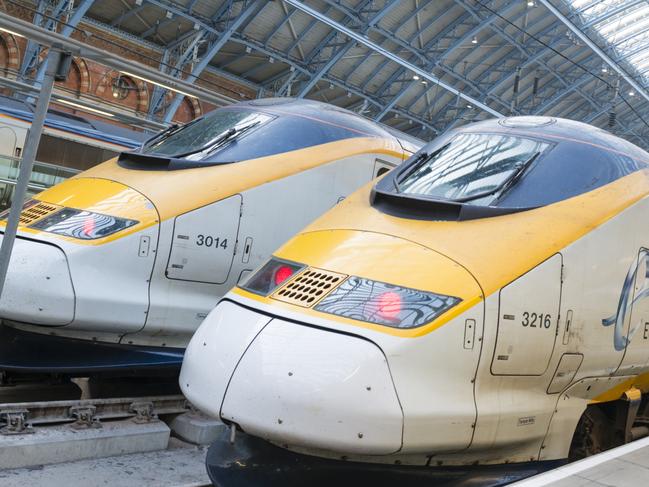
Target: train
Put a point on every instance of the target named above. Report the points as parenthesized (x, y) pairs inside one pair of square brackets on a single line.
[(69, 144), (485, 303), (130, 255)]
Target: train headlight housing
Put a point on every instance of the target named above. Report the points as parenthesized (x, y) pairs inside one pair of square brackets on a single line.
[(272, 275), (361, 299), (82, 224)]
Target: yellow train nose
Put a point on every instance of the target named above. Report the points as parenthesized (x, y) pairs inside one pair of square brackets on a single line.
[(88, 210), (385, 259)]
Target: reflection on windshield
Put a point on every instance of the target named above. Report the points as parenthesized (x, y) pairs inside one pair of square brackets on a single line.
[(200, 137), (472, 167)]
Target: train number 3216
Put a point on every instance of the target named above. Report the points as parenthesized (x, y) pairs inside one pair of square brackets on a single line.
[(533, 320), (209, 241)]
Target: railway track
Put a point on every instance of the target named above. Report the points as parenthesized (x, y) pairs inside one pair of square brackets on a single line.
[(112, 426), (23, 417), (28, 402)]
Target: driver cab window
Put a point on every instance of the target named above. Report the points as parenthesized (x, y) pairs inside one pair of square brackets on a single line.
[(471, 167)]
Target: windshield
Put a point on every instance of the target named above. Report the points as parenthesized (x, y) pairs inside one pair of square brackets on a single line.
[(471, 167), (204, 135)]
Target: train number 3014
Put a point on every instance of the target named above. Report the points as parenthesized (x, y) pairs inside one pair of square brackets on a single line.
[(533, 320), (209, 241)]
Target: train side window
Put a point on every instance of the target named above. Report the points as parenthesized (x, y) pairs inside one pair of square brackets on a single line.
[(68, 153)]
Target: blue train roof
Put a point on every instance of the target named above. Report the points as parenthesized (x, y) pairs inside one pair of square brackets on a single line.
[(505, 165), (94, 129), (327, 113)]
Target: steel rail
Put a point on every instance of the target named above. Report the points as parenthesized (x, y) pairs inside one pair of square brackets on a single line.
[(54, 412)]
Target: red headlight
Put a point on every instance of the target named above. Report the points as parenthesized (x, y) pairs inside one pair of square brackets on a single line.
[(385, 304), (283, 273), (389, 305), (274, 273)]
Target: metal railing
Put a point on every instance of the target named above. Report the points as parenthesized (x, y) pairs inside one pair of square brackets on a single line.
[(43, 174)]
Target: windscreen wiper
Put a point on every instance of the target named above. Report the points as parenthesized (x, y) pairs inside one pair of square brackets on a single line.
[(174, 128), (503, 187), (228, 136), (518, 174), (416, 164)]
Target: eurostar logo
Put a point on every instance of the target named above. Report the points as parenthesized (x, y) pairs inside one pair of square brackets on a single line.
[(625, 305)]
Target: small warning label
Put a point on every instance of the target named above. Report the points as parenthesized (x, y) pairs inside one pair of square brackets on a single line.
[(526, 421)]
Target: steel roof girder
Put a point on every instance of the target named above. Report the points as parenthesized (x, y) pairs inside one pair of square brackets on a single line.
[(616, 9), (67, 31), (482, 24), (387, 8), (539, 110), (32, 49), (529, 58), (159, 93), (305, 31), (522, 49), (441, 35), (397, 59), (317, 76), (114, 61), (32, 52), (607, 59), (384, 33), (127, 13), (214, 48), (458, 43)]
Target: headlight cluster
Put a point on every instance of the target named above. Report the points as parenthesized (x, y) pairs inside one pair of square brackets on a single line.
[(82, 224), (70, 222), (385, 304), (360, 299)]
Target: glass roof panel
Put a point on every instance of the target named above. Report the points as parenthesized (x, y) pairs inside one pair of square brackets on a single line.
[(625, 28)]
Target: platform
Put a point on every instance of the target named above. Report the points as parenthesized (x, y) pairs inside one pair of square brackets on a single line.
[(181, 465), (625, 466)]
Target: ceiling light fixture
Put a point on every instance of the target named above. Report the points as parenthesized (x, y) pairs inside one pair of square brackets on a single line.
[(83, 107), (11, 32)]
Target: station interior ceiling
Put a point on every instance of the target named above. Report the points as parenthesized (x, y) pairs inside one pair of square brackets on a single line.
[(422, 67)]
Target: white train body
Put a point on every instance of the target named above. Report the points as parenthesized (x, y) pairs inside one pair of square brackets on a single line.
[(544, 314), (187, 234)]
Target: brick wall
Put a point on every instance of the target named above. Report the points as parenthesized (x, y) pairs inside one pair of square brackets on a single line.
[(90, 79)]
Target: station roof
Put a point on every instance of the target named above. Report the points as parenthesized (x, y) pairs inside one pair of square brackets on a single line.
[(586, 60)]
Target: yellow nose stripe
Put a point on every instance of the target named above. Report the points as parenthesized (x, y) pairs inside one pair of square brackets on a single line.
[(100, 196)]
